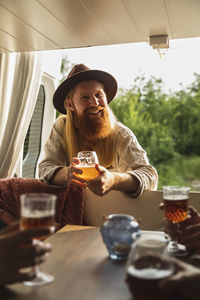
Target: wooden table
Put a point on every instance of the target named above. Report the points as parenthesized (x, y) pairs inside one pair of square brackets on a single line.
[(79, 261)]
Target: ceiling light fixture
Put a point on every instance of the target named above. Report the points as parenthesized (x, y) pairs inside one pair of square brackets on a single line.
[(159, 42)]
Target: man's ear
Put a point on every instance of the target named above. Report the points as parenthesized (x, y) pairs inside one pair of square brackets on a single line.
[(68, 102)]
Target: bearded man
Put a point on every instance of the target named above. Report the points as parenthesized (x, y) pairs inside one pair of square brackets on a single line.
[(88, 123)]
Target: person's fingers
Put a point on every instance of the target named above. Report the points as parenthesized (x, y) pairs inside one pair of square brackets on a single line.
[(192, 218), (75, 160), (172, 229), (11, 228), (16, 276), (187, 222), (25, 235), (29, 261), (99, 168), (193, 212), (25, 276), (78, 183), (75, 169), (192, 242), (31, 251), (75, 177), (192, 229)]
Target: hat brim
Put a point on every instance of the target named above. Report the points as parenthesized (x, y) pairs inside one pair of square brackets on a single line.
[(109, 82)]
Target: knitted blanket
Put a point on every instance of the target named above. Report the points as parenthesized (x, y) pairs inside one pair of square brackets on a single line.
[(69, 204)]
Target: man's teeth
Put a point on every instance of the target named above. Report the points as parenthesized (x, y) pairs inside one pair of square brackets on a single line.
[(94, 112)]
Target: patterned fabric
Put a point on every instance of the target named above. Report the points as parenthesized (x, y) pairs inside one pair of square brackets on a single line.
[(129, 157), (69, 204)]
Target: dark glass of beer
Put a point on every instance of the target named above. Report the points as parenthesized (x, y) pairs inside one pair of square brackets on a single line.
[(38, 210), (148, 263), (176, 200)]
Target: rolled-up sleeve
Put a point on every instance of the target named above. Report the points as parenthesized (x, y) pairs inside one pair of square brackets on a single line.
[(55, 156), (132, 158)]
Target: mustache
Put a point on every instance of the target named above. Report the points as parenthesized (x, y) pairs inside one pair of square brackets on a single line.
[(91, 109)]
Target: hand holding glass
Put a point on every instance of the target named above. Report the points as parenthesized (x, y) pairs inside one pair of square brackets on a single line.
[(88, 160), (38, 210), (176, 209)]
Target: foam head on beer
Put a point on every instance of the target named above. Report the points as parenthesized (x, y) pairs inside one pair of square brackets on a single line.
[(147, 264), (176, 203), (88, 160)]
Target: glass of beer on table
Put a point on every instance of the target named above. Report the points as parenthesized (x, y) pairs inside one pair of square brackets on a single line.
[(176, 200), (88, 160), (148, 263), (38, 210)]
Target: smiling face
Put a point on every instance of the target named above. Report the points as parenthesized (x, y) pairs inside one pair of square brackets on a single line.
[(88, 98), (89, 105)]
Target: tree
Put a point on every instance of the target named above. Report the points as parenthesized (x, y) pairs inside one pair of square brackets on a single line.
[(65, 67), (143, 110)]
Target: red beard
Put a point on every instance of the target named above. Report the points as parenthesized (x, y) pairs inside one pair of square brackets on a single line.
[(94, 128)]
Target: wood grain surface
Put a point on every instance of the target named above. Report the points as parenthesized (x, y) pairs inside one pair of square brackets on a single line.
[(79, 261)]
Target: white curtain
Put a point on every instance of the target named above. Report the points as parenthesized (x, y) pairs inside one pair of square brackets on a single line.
[(20, 75)]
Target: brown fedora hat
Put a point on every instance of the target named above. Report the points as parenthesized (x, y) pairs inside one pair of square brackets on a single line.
[(82, 73)]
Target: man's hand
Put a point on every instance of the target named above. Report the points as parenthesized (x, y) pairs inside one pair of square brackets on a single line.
[(191, 238), (107, 181), (192, 219), (186, 232), (184, 282), (73, 170), (67, 175), (103, 183), (16, 253)]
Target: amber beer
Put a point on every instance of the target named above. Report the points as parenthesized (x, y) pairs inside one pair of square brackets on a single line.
[(88, 172), (143, 283), (30, 222), (38, 220), (176, 208)]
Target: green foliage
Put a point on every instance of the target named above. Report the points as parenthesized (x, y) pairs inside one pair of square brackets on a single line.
[(65, 67), (166, 125), (184, 171)]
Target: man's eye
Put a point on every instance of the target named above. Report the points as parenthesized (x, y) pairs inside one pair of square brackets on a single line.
[(85, 98), (99, 95)]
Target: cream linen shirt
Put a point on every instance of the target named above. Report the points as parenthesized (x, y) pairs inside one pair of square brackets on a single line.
[(129, 157)]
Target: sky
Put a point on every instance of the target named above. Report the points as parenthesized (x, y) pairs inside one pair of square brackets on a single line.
[(125, 62)]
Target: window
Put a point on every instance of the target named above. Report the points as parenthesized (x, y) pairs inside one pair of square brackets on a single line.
[(32, 143)]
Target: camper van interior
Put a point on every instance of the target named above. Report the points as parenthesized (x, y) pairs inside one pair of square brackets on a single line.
[(29, 28)]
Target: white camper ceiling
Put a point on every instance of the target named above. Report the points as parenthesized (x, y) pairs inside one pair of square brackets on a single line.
[(29, 25)]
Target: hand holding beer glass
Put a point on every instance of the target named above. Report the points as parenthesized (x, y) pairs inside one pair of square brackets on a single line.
[(38, 210), (88, 160), (176, 210)]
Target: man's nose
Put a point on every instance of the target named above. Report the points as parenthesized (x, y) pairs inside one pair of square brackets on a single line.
[(94, 101)]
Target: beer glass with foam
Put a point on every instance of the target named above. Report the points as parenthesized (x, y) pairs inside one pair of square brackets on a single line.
[(88, 160), (38, 210), (148, 263), (175, 200)]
